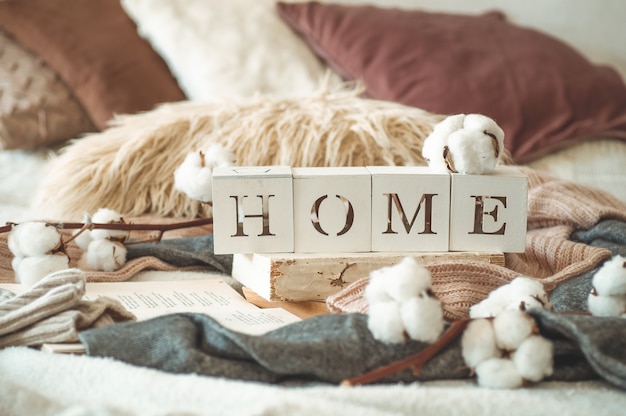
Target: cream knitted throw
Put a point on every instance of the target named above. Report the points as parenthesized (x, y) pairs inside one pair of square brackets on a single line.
[(53, 311)]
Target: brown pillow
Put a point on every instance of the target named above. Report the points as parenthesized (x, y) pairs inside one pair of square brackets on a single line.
[(95, 48), (36, 107), (544, 94)]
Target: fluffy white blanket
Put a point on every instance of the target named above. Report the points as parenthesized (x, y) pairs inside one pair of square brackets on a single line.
[(41, 383)]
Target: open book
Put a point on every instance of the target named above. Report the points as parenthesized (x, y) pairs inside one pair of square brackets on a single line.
[(214, 297)]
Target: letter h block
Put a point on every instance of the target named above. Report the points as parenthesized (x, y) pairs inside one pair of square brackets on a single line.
[(252, 209), (332, 209), (410, 209), (489, 212)]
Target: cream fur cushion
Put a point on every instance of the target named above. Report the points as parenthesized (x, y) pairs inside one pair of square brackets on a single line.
[(130, 166)]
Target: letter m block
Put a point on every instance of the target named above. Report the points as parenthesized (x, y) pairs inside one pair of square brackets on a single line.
[(252, 209), (488, 212), (410, 209)]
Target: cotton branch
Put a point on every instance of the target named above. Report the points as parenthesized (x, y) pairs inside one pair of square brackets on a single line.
[(415, 361), (161, 228)]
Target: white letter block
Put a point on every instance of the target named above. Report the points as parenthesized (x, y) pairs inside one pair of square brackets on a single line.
[(252, 209), (410, 209), (488, 212), (332, 209)]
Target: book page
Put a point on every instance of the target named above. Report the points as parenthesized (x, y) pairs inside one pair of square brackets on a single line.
[(214, 297)]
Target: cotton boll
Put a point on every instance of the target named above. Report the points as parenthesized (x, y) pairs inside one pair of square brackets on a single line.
[(496, 302), (434, 144), (611, 278), (218, 155), (471, 152), (467, 144), (488, 126), (15, 262), (14, 241), (526, 285), (104, 255), (510, 296), (479, 342), (534, 358), (477, 147), (83, 239), (522, 287), (511, 327), (525, 303), (385, 323), (108, 216), (433, 152), (606, 305), (33, 239), (30, 270), (498, 373), (376, 289), (407, 279), (194, 179), (422, 318), (449, 125)]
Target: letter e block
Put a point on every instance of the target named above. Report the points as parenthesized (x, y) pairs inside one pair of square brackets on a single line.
[(488, 212), (332, 209), (252, 209), (410, 209)]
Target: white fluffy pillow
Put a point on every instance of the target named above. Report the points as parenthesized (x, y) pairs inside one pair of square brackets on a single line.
[(232, 48)]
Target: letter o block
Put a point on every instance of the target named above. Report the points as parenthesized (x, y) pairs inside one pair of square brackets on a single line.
[(252, 209), (332, 209), (489, 212)]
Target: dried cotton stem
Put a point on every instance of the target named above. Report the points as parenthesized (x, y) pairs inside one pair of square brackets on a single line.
[(416, 361)]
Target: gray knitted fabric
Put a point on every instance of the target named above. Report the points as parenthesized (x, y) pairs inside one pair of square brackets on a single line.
[(330, 348), (601, 340), (183, 252), (572, 294), (325, 348)]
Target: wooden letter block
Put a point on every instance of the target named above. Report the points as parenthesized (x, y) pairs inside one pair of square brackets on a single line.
[(410, 209), (332, 209), (252, 209), (488, 212)]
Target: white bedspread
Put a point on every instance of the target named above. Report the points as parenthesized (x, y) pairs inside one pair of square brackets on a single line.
[(41, 383)]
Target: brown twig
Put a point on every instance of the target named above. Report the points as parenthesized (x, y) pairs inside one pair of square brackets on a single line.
[(416, 361), (121, 226)]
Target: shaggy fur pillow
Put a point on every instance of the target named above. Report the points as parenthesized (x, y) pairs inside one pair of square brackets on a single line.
[(130, 166)]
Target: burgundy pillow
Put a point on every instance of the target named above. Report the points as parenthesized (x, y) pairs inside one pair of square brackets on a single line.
[(95, 48), (543, 93)]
